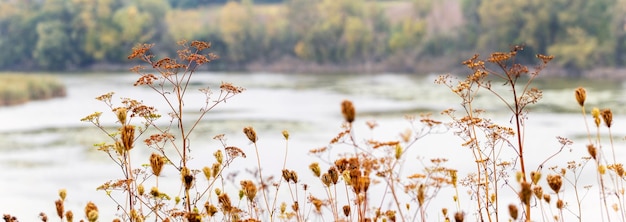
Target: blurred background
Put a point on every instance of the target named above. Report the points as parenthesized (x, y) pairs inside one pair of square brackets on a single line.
[(414, 36)]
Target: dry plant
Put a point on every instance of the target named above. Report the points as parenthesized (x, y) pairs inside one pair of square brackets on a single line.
[(489, 142), (358, 178), (170, 144)]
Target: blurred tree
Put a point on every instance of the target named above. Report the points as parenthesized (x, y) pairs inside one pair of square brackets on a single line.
[(18, 30)]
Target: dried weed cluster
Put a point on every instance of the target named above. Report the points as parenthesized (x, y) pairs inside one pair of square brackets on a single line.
[(364, 179)]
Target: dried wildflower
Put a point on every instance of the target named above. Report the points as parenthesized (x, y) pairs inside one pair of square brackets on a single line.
[(128, 136), (230, 88), (513, 211), (459, 216), (155, 192), (334, 175), (216, 167), (43, 217), (546, 197), (526, 193), (193, 217), (225, 204), (60, 208), (607, 116), (348, 111), (595, 112), (94, 118), (231, 151), (187, 178), (140, 50), (62, 194), (538, 191), (200, 45), (69, 216), (326, 180), (545, 58), (140, 189), (295, 206), (581, 95), (250, 133), (146, 79), (315, 168), (398, 151), (602, 169), (346, 210), (555, 182), (421, 194), (294, 176), (560, 204), (207, 172), (91, 212), (210, 209), (317, 203), (535, 176), (592, 151), (249, 189), (286, 134), (156, 163)]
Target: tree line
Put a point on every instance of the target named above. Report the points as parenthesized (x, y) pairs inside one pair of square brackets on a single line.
[(74, 34)]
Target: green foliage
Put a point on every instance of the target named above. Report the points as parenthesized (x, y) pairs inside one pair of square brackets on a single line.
[(68, 34)]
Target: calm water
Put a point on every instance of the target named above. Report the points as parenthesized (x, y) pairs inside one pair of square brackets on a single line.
[(44, 146)]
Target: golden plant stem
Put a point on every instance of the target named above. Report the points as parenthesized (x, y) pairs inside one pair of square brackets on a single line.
[(263, 190)]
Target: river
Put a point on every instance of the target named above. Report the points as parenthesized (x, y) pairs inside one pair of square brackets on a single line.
[(45, 147)]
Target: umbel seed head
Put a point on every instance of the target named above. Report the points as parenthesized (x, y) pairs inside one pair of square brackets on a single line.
[(347, 109), (607, 116), (250, 133), (581, 95)]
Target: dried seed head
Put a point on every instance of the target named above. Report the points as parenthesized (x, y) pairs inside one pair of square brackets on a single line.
[(121, 114), (538, 191), (43, 217), (315, 168), (459, 216), (444, 211), (187, 178), (91, 212), (283, 207), (215, 168), (513, 211), (326, 180), (346, 210), (581, 95), (555, 182), (592, 151), (294, 176), (398, 151), (156, 163), (60, 208), (69, 216), (207, 172), (295, 206), (602, 169), (535, 176), (249, 189), (526, 193), (62, 194), (250, 133), (546, 197), (334, 175), (421, 194), (140, 189), (595, 112), (211, 210), (219, 156), (347, 109), (607, 116), (225, 204), (286, 175), (128, 136), (155, 192), (560, 204), (286, 134)]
